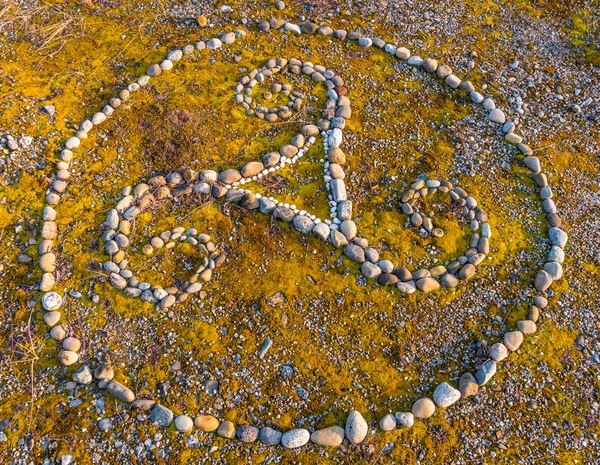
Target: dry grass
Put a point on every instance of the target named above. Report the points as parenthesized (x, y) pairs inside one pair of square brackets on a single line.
[(46, 27)]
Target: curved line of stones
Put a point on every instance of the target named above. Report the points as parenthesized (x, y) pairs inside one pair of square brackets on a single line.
[(356, 427)]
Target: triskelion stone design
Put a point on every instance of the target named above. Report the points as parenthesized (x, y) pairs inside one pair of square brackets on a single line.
[(339, 230)]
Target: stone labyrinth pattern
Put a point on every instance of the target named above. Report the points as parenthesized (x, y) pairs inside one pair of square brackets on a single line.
[(339, 230)]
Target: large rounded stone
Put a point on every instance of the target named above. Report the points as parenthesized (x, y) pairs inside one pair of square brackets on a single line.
[(51, 301), (121, 392), (423, 408), (226, 430), (206, 423), (406, 419), (162, 416), (184, 423), (558, 237), (467, 385), (498, 352), (526, 326), (83, 375), (428, 284), (356, 427), (370, 270), (251, 169), (467, 271), (543, 280), (67, 357), (388, 423), (486, 372), (513, 340), (71, 343), (52, 318), (229, 176)]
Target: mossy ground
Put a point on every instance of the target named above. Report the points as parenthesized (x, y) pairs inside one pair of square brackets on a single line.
[(107, 48)]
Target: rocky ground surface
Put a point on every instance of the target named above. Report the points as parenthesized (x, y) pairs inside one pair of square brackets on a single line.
[(336, 342)]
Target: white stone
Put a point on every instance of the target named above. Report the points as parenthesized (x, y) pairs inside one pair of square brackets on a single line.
[(51, 301), (295, 438), (445, 395), (356, 427)]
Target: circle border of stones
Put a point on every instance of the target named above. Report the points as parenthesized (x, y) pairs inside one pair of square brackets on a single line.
[(356, 427)]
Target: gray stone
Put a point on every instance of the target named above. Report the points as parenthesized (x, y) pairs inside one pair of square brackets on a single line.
[(558, 237), (105, 424), (445, 395), (406, 419), (355, 253), (83, 375), (543, 281), (161, 416), (498, 352), (322, 231), (486, 372), (269, 436), (388, 423), (356, 427), (247, 433), (303, 224), (513, 340), (51, 301)]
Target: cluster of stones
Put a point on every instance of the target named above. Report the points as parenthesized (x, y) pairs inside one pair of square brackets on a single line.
[(258, 76), (119, 223), (461, 269), (339, 231)]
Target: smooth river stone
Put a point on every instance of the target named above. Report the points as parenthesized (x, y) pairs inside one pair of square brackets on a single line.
[(295, 438), (332, 436), (356, 427), (445, 395), (206, 423), (423, 408)]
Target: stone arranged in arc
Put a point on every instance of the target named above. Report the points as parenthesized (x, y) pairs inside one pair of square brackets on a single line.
[(340, 231)]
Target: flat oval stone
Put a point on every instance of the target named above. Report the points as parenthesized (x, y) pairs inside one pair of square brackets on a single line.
[(119, 391), (67, 357), (332, 436), (428, 284), (206, 423), (230, 176), (526, 326), (270, 436), (295, 438)]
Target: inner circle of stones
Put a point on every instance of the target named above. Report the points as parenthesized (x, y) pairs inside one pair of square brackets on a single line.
[(339, 231)]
